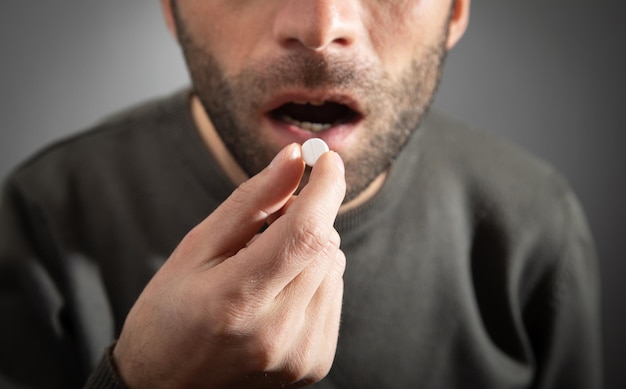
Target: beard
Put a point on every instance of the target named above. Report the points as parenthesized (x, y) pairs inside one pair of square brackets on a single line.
[(392, 108)]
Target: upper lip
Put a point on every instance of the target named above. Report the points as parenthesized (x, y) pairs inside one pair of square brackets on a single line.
[(311, 97)]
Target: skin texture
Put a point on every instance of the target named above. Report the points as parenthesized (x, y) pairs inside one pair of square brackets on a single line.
[(235, 309), (348, 49), (232, 309)]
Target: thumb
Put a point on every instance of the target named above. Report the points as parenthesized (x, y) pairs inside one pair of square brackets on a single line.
[(241, 216)]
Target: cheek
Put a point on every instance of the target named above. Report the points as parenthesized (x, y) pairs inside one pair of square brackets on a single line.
[(402, 29), (230, 30)]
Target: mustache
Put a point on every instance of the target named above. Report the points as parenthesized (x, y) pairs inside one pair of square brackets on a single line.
[(309, 71)]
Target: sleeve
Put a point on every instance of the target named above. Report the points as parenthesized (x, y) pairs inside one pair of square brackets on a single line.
[(105, 376), (563, 316), (55, 318)]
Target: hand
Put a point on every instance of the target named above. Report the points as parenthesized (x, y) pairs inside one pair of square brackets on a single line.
[(232, 309)]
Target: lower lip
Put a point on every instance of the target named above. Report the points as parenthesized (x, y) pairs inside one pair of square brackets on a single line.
[(335, 137)]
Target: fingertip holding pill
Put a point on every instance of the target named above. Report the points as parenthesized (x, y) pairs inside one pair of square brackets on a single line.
[(312, 149)]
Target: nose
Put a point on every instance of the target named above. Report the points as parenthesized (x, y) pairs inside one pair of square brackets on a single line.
[(317, 25)]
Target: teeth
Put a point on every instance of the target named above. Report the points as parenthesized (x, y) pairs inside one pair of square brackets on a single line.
[(304, 102), (308, 126), (315, 127)]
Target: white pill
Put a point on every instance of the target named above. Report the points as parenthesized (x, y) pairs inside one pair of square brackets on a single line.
[(312, 149)]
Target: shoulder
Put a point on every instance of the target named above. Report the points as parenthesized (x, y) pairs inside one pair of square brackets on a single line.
[(123, 145), (116, 137), (487, 166), (476, 154), (510, 196)]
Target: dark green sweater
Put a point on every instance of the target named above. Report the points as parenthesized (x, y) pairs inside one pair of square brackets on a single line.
[(471, 268)]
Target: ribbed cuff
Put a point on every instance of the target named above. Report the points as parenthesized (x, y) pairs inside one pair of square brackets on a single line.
[(104, 376)]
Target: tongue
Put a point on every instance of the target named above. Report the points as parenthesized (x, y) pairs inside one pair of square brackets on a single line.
[(330, 113)]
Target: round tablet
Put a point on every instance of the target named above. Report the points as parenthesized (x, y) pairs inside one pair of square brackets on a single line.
[(312, 149)]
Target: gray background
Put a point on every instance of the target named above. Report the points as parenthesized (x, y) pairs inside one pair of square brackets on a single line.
[(548, 75)]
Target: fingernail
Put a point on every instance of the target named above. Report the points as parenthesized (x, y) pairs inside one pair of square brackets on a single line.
[(287, 153)]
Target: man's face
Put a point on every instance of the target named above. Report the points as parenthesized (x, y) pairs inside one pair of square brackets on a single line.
[(358, 74)]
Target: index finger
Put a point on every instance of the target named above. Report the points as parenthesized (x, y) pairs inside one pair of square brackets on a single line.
[(299, 236), (321, 198)]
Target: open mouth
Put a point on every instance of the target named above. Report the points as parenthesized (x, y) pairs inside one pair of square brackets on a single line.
[(315, 116)]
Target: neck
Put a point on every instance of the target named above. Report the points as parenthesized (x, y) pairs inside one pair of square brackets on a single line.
[(236, 174)]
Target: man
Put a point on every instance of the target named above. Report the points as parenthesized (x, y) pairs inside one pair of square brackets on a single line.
[(466, 263)]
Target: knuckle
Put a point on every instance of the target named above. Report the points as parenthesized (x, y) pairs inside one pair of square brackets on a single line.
[(271, 343), (242, 196), (308, 364), (297, 369), (192, 238), (319, 372), (233, 317), (187, 247), (335, 238), (294, 372), (339, 264), (244, 190), (263, 354), (306, 371), (309, 238), (231, 324)]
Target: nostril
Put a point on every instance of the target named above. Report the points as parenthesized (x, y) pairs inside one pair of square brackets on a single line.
[(316, 37), (317, 41), (342, 41)]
